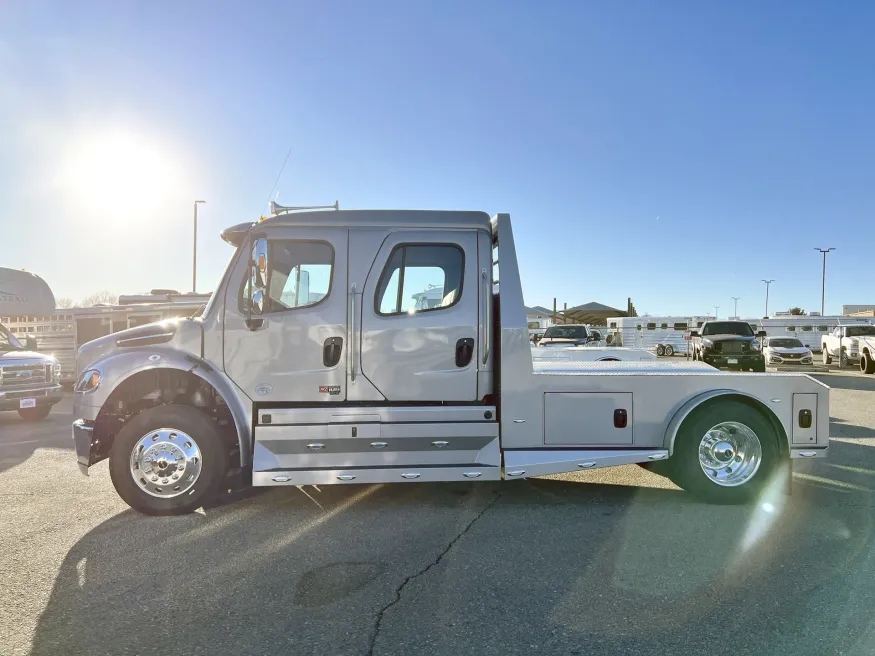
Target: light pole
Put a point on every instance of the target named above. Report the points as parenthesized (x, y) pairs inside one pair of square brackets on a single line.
[(768, 282), (735, 311), (194, 251), (823, 283), (716, 307)]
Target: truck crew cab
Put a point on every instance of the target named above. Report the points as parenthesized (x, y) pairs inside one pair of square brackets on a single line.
[(315, 362)]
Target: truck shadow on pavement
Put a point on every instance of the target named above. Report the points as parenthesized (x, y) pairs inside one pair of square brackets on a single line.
[(543, 565), (19, 439)]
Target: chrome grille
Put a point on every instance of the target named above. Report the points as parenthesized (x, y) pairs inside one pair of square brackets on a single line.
[(732, 348), (23, 375)]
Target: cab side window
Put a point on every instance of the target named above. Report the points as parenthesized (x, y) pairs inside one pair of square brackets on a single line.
[(420, 278), (299, 274)]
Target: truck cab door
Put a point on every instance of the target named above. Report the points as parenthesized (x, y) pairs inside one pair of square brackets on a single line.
[(289, 343), (420, 317)]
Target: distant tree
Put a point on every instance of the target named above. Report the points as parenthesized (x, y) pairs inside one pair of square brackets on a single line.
[(102, 297), (797, 311), (64, 303)]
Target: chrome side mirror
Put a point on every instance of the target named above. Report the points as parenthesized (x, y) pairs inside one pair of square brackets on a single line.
[(260, 264), (258, 301)]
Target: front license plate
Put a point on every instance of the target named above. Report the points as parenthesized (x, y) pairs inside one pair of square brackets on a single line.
[(732, 360), (27, 403)]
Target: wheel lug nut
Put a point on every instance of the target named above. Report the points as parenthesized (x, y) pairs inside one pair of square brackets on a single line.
[(154, 478)]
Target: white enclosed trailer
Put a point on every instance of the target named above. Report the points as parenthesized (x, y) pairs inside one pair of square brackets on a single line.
[(361, 387), (806, 328), (663, 335)]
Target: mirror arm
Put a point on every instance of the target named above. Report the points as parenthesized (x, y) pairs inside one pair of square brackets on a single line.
[(249, 282)]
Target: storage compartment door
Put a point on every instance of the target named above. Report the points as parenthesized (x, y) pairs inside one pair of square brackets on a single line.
[(577, 418)]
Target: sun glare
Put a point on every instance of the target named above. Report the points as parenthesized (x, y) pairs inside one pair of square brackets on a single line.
[(116, 169)]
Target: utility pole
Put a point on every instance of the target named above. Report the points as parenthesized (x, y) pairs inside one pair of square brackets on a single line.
[(716, 307), (735, 311), (823, 282), (768, 282), (194, 251)]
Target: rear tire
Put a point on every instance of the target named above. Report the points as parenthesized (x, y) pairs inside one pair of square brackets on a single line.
[(867, 366), (735, 443), (36, 413), (192, 439), (669, 350)]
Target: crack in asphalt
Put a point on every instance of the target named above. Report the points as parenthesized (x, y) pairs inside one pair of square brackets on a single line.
[(400, 589)]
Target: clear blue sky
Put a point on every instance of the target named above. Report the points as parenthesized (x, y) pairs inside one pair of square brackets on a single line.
[(748, 128)]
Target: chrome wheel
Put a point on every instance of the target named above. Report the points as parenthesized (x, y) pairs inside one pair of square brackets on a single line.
[(730, 454), (165, 463)]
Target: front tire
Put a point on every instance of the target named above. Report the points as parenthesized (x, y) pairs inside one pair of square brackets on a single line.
[(826, 357), (725, 452), (36, 413), (867, 366), (660, 350), (760, 367), (168, 460)]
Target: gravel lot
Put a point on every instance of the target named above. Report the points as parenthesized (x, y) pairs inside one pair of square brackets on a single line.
[(600, 562)]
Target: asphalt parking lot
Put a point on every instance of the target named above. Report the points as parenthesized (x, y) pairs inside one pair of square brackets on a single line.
[(606, 562)]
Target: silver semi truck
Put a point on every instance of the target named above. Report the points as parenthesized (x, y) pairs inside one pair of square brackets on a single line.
[(312, 364)]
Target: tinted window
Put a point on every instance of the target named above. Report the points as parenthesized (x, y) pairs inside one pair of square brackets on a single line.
[(860, 331), (680, 326), (727, 328), (651, 326), (784, 342), (566, 332), (419, 278)]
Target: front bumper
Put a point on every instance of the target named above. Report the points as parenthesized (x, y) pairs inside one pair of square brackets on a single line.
[(83, 439), (777, 359), (11, 399), (740, 361)]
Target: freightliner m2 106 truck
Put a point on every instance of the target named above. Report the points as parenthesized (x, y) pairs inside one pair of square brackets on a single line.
[(312, 365)]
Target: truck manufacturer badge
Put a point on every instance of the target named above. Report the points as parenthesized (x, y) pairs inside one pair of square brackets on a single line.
[(333, 390), (263, 389)]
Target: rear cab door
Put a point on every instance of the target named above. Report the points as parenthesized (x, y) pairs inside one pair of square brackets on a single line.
[(421, 305)]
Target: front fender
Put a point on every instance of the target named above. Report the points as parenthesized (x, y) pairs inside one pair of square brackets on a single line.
[(117, 367), (671, 431)]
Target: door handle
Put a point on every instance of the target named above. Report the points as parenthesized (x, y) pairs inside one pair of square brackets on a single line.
[(331, 350), (464, 351)]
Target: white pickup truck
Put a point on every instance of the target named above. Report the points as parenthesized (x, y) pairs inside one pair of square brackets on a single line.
[(312, 365), (850, 344)]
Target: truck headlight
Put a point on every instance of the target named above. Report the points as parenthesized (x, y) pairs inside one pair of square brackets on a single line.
[(707, 343), (89, 380), (755, 345)]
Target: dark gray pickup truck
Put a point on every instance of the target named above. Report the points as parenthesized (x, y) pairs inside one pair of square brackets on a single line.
[(730, 344)]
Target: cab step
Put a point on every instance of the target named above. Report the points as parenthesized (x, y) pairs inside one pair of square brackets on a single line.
[(367, 475)]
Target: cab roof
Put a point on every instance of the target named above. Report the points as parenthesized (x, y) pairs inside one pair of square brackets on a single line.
[(383, 218)]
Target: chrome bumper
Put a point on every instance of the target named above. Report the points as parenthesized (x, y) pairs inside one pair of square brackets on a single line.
[(11, 399), (82, 438)]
